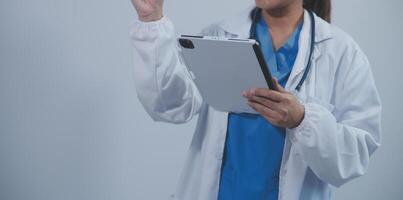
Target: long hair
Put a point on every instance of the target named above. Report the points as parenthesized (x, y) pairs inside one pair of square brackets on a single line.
[(322, 8)]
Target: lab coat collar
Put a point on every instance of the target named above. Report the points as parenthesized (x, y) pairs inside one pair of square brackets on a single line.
[(239, 25)]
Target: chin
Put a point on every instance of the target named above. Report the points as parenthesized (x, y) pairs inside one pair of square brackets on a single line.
[(272, 4), (269, 4)]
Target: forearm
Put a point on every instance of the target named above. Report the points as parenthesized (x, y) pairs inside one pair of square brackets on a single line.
[(336, 151), (163, 84)]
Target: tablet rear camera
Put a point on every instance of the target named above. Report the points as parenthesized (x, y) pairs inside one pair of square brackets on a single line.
[(185, 43)]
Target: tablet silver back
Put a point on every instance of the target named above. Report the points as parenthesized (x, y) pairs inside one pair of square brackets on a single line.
[(222, 69)]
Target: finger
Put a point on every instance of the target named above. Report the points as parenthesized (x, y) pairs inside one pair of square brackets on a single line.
[(140, 5), (266, 102), (281, 112), (271, 118), (138, 2), (245, 94), (267, 93), (267, 112), (278, 86), (144, 5), (153, 3), (248, 93)]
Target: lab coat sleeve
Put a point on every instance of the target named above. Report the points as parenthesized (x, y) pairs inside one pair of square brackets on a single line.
[(337, 144), (163, 84)]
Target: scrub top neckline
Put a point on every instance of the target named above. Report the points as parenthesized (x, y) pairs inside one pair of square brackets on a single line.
[(272, 56)]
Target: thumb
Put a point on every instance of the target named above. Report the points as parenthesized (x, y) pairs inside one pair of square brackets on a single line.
[(278, 86)]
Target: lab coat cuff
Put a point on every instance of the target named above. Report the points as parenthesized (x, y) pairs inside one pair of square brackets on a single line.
[(303, 128), (313, 106), (150, 23), (153, 26)]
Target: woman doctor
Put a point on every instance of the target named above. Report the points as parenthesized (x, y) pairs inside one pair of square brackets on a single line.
[(304, 142)]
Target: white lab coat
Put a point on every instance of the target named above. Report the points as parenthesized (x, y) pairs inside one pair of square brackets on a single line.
[(331, 146)]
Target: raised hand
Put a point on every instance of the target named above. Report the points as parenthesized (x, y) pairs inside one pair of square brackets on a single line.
[(149, 10)]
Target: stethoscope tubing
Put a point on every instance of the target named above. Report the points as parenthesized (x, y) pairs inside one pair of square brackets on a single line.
[(256, 13)]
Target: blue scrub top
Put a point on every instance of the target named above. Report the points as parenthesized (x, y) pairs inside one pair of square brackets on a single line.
[(254, 147)]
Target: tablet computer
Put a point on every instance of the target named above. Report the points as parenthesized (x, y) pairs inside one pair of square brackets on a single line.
[(223, 68)]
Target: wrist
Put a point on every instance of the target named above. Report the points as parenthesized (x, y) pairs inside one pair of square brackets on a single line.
[(150, 17), (300, 116)]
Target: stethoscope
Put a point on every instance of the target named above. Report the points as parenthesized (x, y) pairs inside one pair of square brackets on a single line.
[(256, 13)]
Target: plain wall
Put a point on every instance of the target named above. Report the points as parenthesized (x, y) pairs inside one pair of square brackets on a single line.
[(71, 127)]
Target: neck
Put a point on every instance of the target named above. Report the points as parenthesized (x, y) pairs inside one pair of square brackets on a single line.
[(283, 21)]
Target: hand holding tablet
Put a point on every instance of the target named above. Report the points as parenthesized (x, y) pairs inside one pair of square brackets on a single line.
[(224, 68)]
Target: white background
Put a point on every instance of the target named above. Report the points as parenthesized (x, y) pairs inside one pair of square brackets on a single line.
[(71, 127)]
